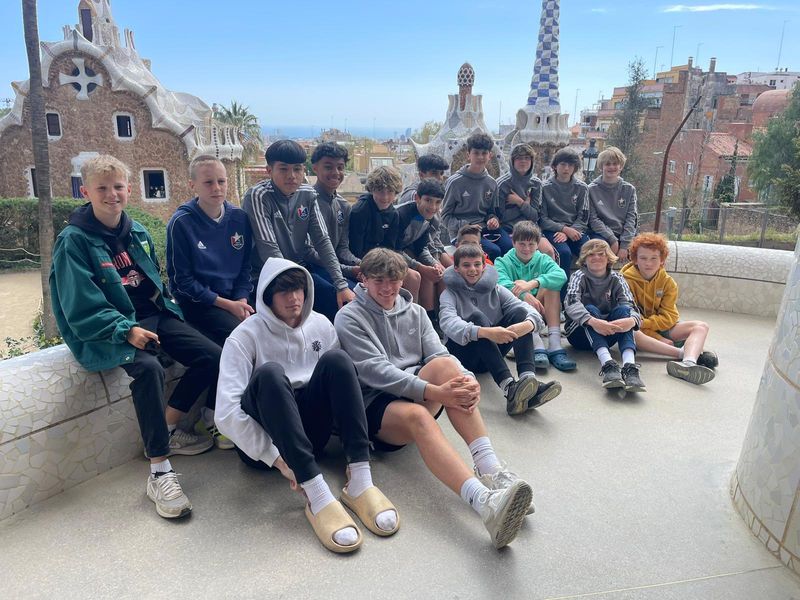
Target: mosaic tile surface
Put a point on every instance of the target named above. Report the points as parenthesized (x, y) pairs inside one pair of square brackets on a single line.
[(729, 295), (733, 261)]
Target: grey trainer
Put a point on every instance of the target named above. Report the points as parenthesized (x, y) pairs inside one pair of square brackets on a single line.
[(612, 376), (519, 392), (632, 379), (545, 393), (696, 374), (165, 491), (503, 511), (708, 359)]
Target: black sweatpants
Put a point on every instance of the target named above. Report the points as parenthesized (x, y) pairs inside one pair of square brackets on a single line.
[(212, 321), (193, 350), (484, 355), (300, 422)]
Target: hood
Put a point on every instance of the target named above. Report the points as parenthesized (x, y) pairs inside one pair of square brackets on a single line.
[(514, 175), (630, 271), (271, 269), (116, 239), (463, 171), (454, 281), (401, 304), (599, 181)]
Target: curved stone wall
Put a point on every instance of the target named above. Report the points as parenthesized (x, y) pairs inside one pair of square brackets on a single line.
[(766, 484)]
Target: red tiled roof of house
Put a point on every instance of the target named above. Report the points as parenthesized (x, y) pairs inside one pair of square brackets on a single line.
[(724, 143)]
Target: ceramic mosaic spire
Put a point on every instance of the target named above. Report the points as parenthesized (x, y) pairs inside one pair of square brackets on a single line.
[(544, 85)]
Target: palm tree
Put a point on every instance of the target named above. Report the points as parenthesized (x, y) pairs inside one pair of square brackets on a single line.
[(41, 159), (246, 124)]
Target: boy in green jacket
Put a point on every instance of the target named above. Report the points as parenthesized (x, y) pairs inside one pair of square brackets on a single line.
[(112, 310), (536, 279)]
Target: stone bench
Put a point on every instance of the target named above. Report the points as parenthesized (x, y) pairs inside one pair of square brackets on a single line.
[(60, 425)]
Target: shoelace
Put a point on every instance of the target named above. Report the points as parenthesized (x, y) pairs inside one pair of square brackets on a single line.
[(169, 486)]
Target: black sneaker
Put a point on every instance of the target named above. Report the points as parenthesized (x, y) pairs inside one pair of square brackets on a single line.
[(708, 359), (545, 393), (612, 377), (519, 392), (633, 383)]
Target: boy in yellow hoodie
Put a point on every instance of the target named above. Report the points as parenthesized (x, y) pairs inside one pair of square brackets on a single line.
[(662, 332)]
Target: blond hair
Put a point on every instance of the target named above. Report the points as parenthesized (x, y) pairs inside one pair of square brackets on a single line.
[(593, 246), (198, 161), (611, 154), (104, 164), (382, 262), (384, 178)]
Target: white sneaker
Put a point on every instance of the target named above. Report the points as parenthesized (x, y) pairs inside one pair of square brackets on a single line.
[(500, 480), (503, 511), (165, 491)]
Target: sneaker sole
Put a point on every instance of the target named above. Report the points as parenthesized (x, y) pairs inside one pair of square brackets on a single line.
[(550, 393), (192, 450), (635, 388), (613, 385), (511, 519), (519, 404), (696, 374), (185, 510)]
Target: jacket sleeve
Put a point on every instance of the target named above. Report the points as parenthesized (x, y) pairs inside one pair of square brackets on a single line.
[(356, 229), (420, 247), (182, 280), (552, 276), (544, 215), (667, 315), (631, 222), (509, 302), (582, 209), (343, 246), (91, 317), (573, 306), (265, 242), (505, 272), (449, 203), (453, 326), (235, 369), (374, 368), (596, 224), (242, 286), (322, 244), (495, 209)]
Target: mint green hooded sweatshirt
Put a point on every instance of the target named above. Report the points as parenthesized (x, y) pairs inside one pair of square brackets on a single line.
[(540, 266)]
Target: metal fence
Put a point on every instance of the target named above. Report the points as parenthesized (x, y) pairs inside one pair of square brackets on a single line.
[(754, 225)]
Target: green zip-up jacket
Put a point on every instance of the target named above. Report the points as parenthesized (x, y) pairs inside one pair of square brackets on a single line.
[(540, 266), (93, 311)]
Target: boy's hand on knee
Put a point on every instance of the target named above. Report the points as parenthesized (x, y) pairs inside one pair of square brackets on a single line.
[(461, 393), (139, 337), (625, 324), (535, 303), (520, 286), (493, 223), (429, 273), (498, 335), (560, 237), (521, 329), (344, 296), (572, 233), (622, 253), (602, 326)]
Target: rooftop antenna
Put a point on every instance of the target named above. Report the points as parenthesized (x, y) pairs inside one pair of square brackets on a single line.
[(780, 46)]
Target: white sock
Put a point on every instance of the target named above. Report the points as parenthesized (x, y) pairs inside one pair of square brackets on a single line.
[(538, 344), (603, 354), (554, 335), (628, 357), (160, 467), (471, 491), (171, 428), (319, 496), (682, 354), (207, 416), (483, 455), (360, 481)]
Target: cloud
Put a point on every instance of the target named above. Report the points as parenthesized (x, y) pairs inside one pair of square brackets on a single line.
[(676, 8)]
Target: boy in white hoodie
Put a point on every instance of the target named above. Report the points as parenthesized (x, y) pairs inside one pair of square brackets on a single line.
[(286, 382)]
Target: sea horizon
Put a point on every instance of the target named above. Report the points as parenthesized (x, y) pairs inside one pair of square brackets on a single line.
[(275, 132)]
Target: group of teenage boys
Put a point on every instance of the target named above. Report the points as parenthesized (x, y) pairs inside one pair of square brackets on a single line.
[(300, 315)]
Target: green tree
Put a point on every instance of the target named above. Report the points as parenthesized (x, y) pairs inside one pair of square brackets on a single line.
[(626, 130), (249, 131), (41, 159), (775, 161), (427, 132), (726, 188)]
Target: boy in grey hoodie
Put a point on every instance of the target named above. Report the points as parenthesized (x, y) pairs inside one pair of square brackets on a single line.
[(613, 214), (483, 320), (408, 378), (470, 196)]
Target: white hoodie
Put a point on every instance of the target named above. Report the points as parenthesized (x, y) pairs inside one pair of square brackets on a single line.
[(264, 338)]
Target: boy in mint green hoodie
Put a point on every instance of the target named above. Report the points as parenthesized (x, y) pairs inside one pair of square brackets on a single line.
[(536, 279)]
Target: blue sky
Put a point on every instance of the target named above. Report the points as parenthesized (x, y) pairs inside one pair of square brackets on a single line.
[(317, 63)]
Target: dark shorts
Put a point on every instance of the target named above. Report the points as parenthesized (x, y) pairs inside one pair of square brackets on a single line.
[(375, 412), (667, 333)]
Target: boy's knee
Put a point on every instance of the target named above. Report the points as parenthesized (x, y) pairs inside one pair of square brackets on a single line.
[(518, 314), (336, 359), (445, 366), (592, 310), (268, 372), (480, 319), (620, 312), (420, 421)]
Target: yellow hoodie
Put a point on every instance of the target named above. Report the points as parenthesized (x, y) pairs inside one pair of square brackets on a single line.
[(655, 298)]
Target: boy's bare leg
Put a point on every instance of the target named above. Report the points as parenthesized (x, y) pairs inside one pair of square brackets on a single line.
[(172, 415), (694, 333), (545, 247), (552, 307), (446, 260), (427, 294), (411, 283), (645, 343)]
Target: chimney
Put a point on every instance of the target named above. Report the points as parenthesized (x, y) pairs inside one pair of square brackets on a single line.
[(713, 65), (691, 60)]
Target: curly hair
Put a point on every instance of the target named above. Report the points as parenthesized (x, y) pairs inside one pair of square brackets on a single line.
[(593, 246), (653, 241), (384, 178), (382, 262)]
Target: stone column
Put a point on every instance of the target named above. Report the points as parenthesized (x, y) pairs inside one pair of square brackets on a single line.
[(766, 484)]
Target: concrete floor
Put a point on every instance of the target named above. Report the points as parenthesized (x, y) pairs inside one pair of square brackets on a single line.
[(631, 494)]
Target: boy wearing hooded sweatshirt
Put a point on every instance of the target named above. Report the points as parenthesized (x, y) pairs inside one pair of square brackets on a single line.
[(470, 196), (285, 383), (483, 320), (600, 313), (519, 193), (408, 378), (113, 311), (662, 330), (613, 213)]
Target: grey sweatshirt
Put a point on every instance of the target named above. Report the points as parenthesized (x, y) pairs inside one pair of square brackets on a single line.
[(407, 195), (606, 293), (282, 227), (460, 303), (468, 198), (564, 204), (388, 346), (528, 187), (335, 212), (613, 212)]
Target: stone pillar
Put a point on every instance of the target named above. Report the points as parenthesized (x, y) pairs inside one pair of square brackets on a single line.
[(766, 484)]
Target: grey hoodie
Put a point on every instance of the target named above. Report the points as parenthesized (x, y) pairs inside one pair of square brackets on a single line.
[(460, 302), (613, 213), (528, 187), (388, 346), (468, 198), (564, 204), (605, 292), (263, 338)]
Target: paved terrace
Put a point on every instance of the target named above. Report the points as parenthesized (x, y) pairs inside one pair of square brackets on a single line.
[(632, 497)]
